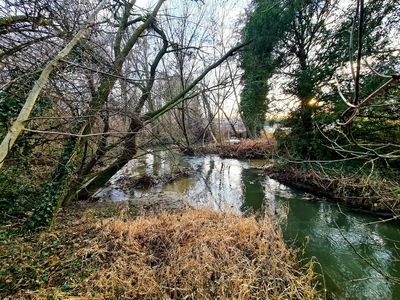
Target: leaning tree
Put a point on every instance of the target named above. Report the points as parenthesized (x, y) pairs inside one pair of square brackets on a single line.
[(102, 95)]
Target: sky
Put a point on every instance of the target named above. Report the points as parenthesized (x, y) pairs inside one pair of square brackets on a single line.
[(226, 14)]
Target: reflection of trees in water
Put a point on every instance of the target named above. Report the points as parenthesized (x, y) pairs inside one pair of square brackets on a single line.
[(269, 197), (354, 255), (219, 184), (160, 162), (150, 164), (206, 181), (253, 194), (273, 190)]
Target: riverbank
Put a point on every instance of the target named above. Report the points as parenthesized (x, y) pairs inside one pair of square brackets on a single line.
[(125, 251), (246, 148), (371, 189), (374, 194)]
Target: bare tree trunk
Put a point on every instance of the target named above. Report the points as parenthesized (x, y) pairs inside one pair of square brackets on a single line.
[(18, 125), (149, 117), (210, 117)]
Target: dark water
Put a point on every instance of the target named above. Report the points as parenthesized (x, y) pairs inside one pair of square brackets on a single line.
[(355, 255)]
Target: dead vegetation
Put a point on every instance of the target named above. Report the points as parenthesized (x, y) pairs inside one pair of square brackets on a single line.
[(245, 148), (122, 254), (364, 191)]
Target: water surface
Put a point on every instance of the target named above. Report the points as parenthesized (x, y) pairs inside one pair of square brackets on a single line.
[(355, 254)]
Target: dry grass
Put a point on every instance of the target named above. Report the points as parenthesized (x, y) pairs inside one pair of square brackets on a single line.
[(377, 194), (255, 148), (189, 254), (245, 148)]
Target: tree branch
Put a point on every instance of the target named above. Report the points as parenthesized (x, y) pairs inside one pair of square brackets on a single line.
[(151, 116), (18, 125)]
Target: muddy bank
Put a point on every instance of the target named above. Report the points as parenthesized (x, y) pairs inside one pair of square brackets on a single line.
[(357, 192)]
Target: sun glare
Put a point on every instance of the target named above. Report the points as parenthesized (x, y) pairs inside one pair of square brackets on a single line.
[(312, 102)]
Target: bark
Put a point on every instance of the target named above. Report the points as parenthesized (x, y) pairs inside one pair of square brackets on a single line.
[(139, 123), (210, 117), (18, 125), (101, 96)]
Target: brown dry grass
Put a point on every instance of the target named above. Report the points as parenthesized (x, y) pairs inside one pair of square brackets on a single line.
[(377, 194), (245, 148), (255, 148), (189, 254)]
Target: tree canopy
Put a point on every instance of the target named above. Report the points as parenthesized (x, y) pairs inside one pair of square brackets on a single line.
[(301, 47)]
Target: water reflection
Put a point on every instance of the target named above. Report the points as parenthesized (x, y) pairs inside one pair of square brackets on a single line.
[(217, 183), (158, 162), (352, 254), (151, 162), (273, 191)]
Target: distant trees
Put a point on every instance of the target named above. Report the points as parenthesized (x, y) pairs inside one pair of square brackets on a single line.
[(199, 118), (104, 92)]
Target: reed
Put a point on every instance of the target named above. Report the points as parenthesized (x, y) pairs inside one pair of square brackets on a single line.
[(186, 254)]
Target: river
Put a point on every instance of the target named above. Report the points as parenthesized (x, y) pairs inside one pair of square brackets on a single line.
[(355, 251)]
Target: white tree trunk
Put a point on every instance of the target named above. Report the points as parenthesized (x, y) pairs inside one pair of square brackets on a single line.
[(18, 126)]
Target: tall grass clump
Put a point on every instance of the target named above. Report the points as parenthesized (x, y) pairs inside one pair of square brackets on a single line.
[(187, 254), (245, 148)]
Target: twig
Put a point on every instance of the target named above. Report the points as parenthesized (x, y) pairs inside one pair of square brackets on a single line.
[(385, 276), (129, 80), (384, 221), (394, 78), (376, 72), (77, 135), (366, 278), (341, 95), (69, 117)]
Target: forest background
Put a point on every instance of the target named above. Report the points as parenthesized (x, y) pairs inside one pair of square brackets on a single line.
[(86, 85)]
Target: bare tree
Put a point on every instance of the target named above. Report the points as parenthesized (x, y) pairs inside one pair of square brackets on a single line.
[(18, 125), (104, 93)]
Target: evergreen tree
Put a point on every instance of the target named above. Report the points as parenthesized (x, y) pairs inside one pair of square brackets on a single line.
[(264, 33), (302, 43)]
